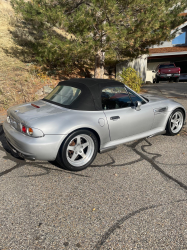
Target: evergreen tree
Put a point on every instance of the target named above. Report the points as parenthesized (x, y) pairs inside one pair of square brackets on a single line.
[(99, 30)]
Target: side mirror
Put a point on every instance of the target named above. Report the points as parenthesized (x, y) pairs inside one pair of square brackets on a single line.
[(138, 104), (153, 71)]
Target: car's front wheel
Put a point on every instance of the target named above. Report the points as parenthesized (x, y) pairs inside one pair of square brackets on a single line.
[(175, 122), (78, 150)]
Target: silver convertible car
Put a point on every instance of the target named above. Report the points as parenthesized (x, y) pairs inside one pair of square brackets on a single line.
[(82, 117)]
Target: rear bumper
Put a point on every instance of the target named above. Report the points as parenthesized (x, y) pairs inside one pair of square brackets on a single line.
[(42, 148), (166, 76)]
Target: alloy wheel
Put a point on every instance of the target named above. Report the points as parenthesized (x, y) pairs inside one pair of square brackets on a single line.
[(176, 122), (80, 150)]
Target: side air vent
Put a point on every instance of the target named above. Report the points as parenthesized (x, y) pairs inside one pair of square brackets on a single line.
[(160, 110)]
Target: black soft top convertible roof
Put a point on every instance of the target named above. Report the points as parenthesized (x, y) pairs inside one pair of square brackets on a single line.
[(91, 89)]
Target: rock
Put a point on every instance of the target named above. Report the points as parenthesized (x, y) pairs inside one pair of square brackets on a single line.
[(47, 90), (40, 92)]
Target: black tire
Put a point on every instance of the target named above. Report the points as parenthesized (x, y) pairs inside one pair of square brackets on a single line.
[(157, 80), (176, 79), (64, 154), (169, 129)]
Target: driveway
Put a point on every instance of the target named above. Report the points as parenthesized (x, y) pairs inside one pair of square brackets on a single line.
[(173, 90), (134, 197)]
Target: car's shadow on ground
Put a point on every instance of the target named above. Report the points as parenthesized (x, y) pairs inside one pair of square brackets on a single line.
[(46, 167), (49, 167)]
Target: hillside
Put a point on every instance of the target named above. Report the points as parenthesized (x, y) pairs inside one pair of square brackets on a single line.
[(20, 78), (18, 81)]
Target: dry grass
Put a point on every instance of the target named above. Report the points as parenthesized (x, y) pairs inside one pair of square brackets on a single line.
[(6, 15), (18, 81)]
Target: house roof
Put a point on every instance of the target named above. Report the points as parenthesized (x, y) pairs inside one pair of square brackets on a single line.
[(168, 49), (183, 14)]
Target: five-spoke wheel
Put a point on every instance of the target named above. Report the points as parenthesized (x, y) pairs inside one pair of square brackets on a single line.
[(79, 150), (175, 122)]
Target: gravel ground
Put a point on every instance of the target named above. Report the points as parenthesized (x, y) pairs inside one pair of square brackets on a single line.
[(131, 198)]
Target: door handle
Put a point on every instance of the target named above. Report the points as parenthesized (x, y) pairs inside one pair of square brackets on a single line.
[(114, 118)]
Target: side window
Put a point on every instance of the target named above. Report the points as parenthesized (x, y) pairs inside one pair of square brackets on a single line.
[(135, 97), (115, 98)]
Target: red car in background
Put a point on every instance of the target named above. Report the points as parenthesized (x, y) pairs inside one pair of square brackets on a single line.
[(168, 72)]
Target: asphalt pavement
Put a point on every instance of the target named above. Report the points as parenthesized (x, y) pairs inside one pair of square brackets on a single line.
[(134, 197)]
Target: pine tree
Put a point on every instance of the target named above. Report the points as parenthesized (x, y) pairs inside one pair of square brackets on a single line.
[(99, 30)]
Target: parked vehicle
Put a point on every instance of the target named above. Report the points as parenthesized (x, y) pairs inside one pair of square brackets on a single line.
[(82, 117), (168, 72), (183, 77)]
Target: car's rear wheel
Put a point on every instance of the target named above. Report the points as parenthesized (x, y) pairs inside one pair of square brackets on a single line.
[(175, 122), (78, 150)]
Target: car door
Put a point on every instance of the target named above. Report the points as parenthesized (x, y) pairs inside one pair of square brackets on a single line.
[(122, 117)]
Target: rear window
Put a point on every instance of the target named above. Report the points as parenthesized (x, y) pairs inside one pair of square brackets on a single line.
[(64, 95), (167, 66)]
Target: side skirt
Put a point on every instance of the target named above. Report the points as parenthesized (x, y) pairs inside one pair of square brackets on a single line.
[(103, 150), (159, 133)]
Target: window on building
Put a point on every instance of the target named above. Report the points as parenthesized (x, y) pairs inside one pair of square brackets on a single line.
[(181, 39)]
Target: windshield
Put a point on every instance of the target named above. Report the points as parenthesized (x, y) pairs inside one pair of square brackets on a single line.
[(167, 66), (64, 95)]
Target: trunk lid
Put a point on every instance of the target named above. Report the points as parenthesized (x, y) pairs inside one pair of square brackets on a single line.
[(26, 112)]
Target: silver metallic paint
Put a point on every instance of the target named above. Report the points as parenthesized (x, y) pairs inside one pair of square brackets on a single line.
[(57, 123), (42, 148)]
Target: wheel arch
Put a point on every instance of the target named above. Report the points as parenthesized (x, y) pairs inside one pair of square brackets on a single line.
[(87, 128), (94, 132), (183, 111)]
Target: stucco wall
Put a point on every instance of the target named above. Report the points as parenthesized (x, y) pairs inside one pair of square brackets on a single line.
[(139, 64)]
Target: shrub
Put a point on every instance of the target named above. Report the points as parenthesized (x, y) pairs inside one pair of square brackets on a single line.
[(131, 78)]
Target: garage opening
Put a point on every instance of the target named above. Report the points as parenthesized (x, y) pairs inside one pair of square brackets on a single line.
[(179, 60), (183, 66)]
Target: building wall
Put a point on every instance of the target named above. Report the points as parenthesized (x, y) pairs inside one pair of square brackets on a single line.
[(139, 64)]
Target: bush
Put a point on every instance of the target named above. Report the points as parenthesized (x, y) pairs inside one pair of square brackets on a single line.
[(131, 78)]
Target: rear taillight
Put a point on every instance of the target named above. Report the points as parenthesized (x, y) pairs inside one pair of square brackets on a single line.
[(32, 132), (8, 119), (24, 130)]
